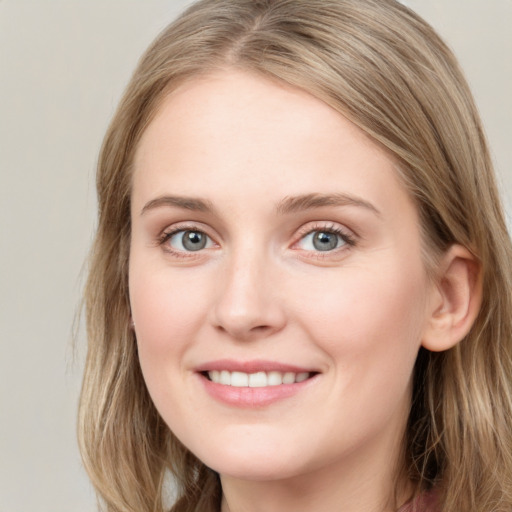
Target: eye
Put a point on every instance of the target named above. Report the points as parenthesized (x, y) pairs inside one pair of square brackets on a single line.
[(323, 240), (188, 240)]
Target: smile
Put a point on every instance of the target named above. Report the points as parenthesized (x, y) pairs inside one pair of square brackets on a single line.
[(254, 383), (256, 380)]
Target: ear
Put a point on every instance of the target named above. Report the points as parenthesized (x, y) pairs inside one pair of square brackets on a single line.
[(455, 300)]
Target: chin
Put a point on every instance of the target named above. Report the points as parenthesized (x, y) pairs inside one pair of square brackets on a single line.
[(257, 463), (256, 471)]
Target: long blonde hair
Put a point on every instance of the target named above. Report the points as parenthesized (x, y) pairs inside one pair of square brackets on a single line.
[(387, 71)]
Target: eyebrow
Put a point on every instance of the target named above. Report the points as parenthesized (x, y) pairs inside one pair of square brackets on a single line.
[(288, 205), (310, 201), (186, 203)]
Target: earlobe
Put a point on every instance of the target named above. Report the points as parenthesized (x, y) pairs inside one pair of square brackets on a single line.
[(455, 300)]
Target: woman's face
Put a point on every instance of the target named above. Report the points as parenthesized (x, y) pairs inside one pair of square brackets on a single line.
[(276, 281)]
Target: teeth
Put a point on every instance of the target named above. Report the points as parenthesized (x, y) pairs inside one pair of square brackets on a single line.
[(301, 376), (239, 379), (256, 380), (288, 378), (274, 378)]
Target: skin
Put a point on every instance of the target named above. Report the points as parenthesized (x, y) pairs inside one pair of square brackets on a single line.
[(260, 289)]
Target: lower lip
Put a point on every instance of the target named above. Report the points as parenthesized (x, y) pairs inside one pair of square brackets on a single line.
[(253, 397)]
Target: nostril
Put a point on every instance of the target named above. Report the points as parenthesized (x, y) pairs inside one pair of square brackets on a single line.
[(261, 328)]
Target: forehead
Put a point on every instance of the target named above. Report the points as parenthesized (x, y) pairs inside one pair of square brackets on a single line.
[(234, 132)]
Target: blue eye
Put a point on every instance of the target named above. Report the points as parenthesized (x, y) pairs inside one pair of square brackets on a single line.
[(322, 241), (189, 240)]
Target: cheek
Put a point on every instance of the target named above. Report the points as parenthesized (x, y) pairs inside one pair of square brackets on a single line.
[(370, 326), (369, 315), (167, 312), (165, 305)]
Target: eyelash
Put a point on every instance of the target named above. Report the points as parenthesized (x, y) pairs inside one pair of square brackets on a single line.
[(167, 235), (347, 238)]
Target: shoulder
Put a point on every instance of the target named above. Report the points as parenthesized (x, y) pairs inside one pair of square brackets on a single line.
[(426, 502)]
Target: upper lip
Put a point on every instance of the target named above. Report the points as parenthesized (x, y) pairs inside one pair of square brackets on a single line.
[(253, 366)]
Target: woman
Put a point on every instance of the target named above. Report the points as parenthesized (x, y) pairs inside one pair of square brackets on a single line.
[(299, 296)]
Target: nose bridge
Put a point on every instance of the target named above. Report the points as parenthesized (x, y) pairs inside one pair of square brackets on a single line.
[(247, 302)]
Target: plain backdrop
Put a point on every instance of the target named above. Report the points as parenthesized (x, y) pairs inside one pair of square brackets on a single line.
[(63, 66)]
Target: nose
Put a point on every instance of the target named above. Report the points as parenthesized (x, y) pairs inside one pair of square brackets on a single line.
[(249, 301)]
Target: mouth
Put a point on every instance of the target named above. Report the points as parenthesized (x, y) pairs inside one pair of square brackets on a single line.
[(254, 384), (259, 379)]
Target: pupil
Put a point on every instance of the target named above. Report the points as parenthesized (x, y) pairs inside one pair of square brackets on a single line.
[(194, 241), (323, 241)]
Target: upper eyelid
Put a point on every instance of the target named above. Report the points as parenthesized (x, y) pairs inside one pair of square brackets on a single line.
[(335, 227), (186, 226), (163, 242), (299, 233), (349, 236), (168, 232)]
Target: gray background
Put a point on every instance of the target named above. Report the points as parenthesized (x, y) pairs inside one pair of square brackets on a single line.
[(63, 66)]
